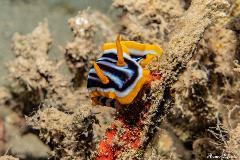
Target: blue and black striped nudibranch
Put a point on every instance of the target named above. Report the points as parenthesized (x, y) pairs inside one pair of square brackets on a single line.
[(118, 75)]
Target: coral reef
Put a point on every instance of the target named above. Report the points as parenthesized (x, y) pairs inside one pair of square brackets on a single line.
[(2, 136), (189, 110), (178, 52), (233, 144), (30, 70), (39, 89), (69, 135), (154, 17), (82, 51), (8, 158)]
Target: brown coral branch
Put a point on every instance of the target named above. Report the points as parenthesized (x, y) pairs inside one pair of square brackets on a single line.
[(68, 135), (8, 158), (140, 119)]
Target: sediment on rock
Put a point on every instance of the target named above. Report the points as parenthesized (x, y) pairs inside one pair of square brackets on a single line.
[(90, 30), (8, 158), (70, 136), (38, 86), (156, 18), (179, 50)]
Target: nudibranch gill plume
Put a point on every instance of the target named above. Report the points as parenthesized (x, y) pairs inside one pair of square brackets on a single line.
[(119, 74)]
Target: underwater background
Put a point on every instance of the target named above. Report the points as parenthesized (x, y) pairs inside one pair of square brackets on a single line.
[(24, 15), (188, 109)]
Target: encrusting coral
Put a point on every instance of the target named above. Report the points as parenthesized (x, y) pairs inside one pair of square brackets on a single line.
[(70, 136), (2, 136), (31, 69), (39, 89), (189, 110), (233, 144), (179, 51), (36, 77), (208, 90), (8, 158), (80, 53), (154, 17)]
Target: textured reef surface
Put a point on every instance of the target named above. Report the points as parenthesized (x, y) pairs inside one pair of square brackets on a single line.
[(190, 110)]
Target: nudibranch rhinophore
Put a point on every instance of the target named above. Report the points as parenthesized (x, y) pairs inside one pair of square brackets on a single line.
[(118, 75)]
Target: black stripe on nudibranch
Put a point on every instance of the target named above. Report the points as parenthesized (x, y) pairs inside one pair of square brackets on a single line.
[(103, 100), (121, 79), (112, 103), (106, 101)]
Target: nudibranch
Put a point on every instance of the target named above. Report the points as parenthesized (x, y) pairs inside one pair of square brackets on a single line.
[(119, 74)]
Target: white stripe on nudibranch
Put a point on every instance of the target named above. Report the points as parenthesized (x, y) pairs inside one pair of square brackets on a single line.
[(141, 53), (94, 78), (110, 51), (106, 58), (114, 78), (128, 72)]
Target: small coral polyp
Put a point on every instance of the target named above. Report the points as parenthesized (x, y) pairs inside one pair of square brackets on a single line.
[(119, 74)]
